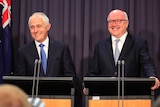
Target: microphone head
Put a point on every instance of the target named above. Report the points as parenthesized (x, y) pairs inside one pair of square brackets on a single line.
[(36, 102), (123, 62), (39, 61), (119, 62), (36, 61)]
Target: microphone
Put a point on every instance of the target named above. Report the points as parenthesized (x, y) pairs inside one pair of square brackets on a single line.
[(34, 76), (36, 102), (119, 69), (123, 83), (38, 71)]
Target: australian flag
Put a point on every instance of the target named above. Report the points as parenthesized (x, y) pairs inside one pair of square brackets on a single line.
[(5, 38)]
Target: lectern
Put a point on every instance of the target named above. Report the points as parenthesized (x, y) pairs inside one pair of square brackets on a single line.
[(49, 87), (100, 88)]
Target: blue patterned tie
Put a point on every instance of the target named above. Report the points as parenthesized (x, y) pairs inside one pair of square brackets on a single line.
[(116, 56), (43, 57)]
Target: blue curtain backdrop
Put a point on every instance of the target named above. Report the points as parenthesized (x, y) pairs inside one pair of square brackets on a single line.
[(82, 23)]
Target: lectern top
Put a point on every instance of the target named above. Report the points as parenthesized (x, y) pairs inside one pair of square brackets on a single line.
[(116, 79), (40, 78)]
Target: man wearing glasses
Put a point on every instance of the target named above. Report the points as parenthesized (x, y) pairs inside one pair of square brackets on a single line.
[(122, 46)]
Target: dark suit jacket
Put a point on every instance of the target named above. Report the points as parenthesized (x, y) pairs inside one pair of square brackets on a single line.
[(59, 61), (134, 52)]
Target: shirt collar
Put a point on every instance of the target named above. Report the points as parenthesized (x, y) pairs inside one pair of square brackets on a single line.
[(45, 42), (122, 38)]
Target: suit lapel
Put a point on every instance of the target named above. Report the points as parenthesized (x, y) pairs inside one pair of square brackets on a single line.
[(33, 50), (128, 45), (108, 47), (51, 53)]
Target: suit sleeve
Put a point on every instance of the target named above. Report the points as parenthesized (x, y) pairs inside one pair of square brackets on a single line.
[(94, 65), (146, 60), (19, 64), (69, 68)]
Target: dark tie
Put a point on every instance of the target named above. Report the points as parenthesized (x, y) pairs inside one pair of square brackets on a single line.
[(116, 56), (43, 57)]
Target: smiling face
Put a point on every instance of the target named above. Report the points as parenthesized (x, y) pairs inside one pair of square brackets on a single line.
[(117, 23), (38, 28)]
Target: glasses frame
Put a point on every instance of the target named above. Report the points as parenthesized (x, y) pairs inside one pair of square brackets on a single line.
[(117, 21)]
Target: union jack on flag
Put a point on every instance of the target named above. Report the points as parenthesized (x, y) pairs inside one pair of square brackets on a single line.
[(6, 12), (5, 37)]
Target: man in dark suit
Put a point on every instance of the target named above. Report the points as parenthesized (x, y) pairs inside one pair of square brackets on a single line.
[(58, 60), (133, 50)]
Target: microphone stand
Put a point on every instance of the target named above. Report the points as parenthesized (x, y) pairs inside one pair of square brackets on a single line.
[(38, 71), (34, 76), (119, 65), (123, 83), (34, 101)]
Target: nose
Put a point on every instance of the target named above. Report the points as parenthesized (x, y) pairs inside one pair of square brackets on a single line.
[(35, 29)]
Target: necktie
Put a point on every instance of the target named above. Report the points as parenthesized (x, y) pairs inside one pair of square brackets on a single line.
[(116, 56), (43, 57)]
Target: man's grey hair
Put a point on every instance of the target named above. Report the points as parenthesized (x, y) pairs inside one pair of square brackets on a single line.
[(41, 15)]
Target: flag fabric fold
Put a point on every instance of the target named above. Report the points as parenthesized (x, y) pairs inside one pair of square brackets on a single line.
[(5, 38)]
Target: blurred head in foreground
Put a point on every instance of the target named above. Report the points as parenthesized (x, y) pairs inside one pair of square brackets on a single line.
[(13, 96)]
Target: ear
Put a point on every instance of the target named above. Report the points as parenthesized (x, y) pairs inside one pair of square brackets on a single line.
[(48, 27), (127, 23)]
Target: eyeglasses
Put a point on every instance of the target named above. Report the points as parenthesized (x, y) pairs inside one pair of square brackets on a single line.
[(117, 21)]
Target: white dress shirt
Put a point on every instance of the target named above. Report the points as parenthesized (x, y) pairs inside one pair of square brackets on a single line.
[(46, 43), (120, 43)]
